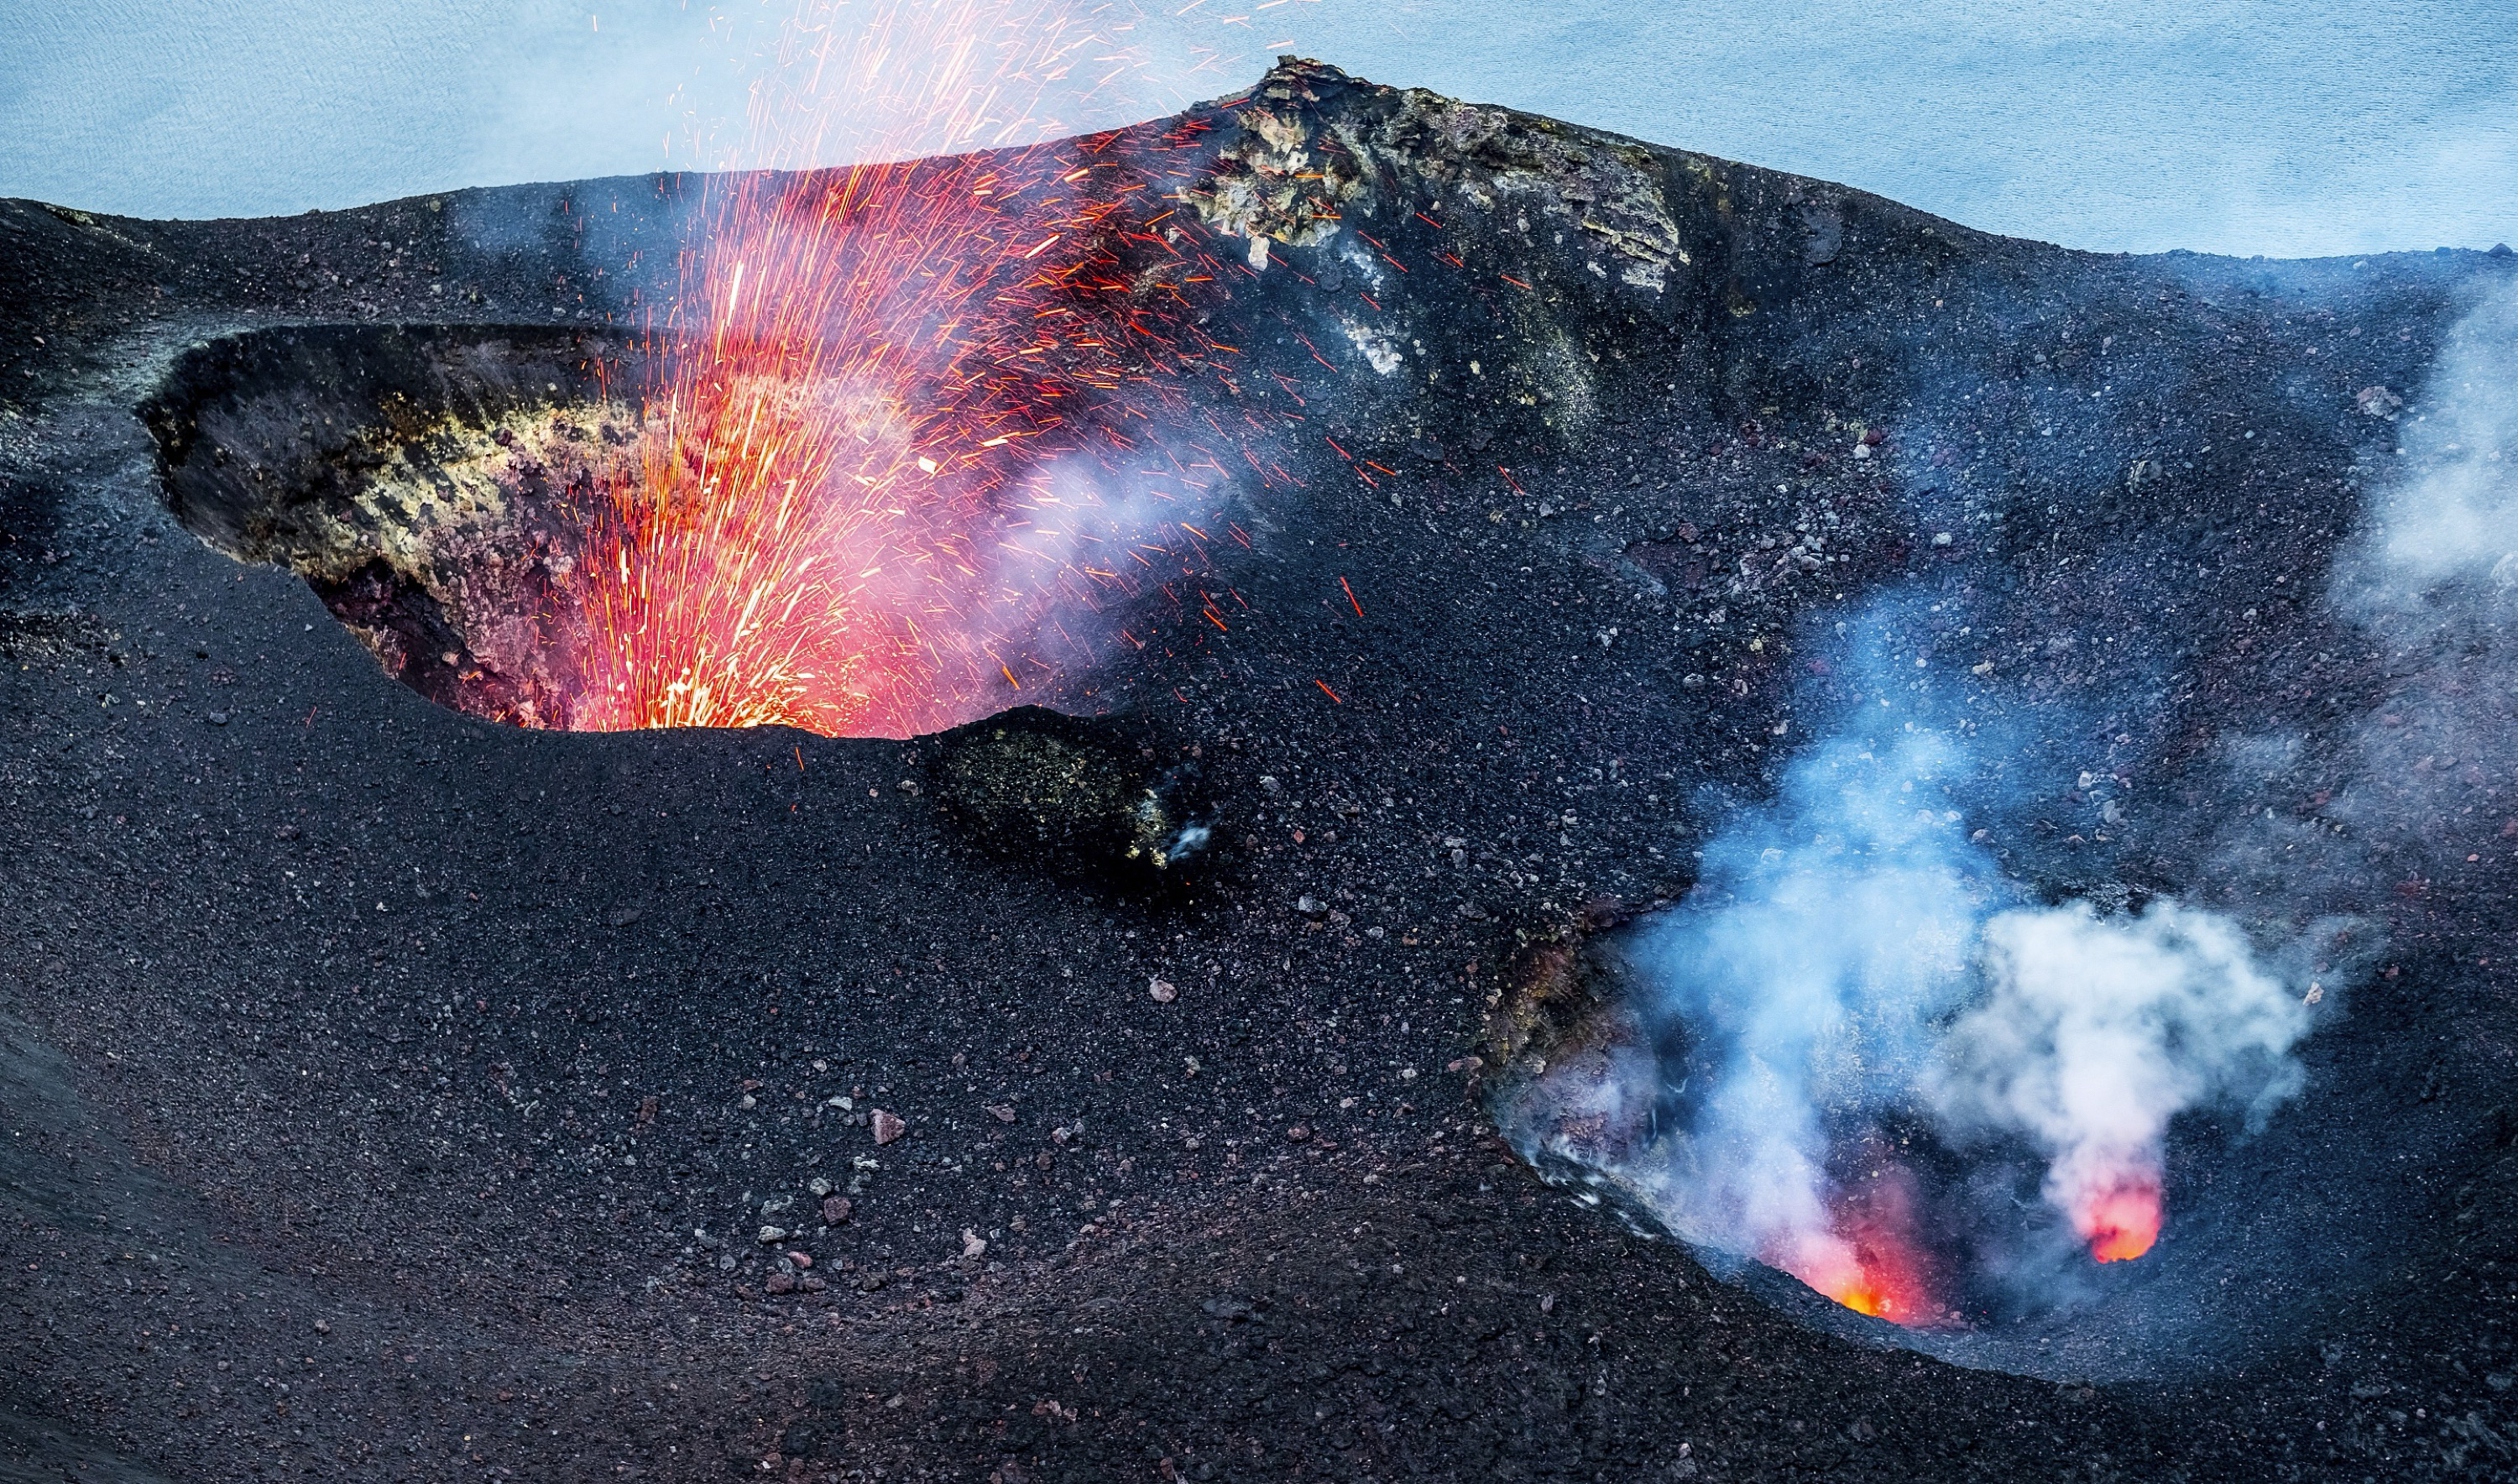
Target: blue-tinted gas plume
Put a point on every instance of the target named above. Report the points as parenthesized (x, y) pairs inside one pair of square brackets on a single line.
[(1864, 1053)]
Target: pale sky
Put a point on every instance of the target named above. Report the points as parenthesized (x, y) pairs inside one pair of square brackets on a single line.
[(2293, 128)]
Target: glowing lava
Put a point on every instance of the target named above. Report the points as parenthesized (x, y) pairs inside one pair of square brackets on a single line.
[(2120, 1219), (1867, 1261), (910, 421), (874, 482)]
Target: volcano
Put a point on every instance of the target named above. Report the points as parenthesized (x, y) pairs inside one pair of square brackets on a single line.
[(1106, 1048)]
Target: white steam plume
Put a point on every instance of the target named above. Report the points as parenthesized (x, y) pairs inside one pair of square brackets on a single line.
[(2094, 1033), (1826, 934), (2456, 517), (2433, 579), (1850, 958)]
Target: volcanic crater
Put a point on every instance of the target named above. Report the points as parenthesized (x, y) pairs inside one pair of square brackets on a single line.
[(427, 482), (1178, 1071)]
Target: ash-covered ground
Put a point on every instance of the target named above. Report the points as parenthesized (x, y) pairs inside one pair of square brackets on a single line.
[(395, 1094)]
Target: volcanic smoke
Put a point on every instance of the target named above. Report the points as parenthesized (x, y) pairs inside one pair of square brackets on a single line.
[(2093, 1033), (1854, 989)]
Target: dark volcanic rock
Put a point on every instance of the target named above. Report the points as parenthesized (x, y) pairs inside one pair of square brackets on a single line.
[(392, 1093), (1044, 787)]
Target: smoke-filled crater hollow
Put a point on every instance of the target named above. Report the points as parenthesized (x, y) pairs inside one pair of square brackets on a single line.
[(1940, 1134)]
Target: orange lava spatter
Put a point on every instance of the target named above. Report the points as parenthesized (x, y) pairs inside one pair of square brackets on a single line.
[(1883, 1279), (2121, 1220), (1868, 1260), (910, 427), (873, 483)]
